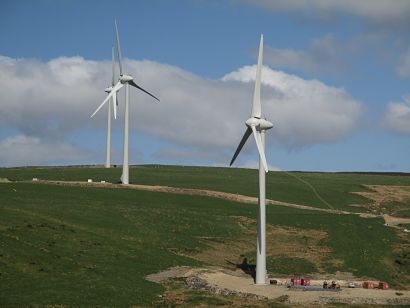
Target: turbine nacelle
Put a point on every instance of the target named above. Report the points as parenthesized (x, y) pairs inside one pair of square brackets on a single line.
[(126, 78), (259, 124), (108, 90)]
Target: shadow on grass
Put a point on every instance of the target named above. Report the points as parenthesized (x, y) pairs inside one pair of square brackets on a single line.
[(249, 269)]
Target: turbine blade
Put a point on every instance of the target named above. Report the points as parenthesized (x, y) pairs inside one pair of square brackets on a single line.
[(261, 149), (114, 106), (102, 104), (143, 90), (118, 86), (113, 67), (245, 137), (118, 48), (256, 105)]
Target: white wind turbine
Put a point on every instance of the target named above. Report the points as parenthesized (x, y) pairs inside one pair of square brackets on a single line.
[(124, 80), (114, 105), (256, 125)]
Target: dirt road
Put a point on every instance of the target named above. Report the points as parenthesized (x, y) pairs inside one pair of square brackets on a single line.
[(192, 191)]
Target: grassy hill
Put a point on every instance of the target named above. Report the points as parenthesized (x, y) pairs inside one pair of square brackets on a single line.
[(94, 246)]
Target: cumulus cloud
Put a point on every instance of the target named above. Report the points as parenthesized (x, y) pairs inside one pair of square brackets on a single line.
[(20, 150), (304, 112), (377, 11), (50, 102), (331, 55), (50, 98), (322, 55), (397, 117), (377, 28)]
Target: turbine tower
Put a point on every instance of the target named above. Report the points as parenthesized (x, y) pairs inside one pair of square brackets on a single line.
[(257, 126), (126, 80), (114, 105)]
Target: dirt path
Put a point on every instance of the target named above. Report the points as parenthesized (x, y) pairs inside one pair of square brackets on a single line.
[(312, 188), (379, 194), (194, 191), (395, 221)]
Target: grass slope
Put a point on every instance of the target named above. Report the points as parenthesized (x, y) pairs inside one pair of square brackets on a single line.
[(324, 190), (70, 245), (94, 246)]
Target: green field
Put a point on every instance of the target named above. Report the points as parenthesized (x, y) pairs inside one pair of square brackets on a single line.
[(85, 246), (325, 190)]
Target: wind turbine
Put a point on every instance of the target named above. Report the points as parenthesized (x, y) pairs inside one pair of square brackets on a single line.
[(257, 126), (114, 105), (124, 80)]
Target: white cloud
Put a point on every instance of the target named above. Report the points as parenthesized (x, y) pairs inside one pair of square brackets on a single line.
[(50, 98), (20, 150), (48, 101), (378, 11), (323, 54), (376, 35), (397, 117), (304, 112)]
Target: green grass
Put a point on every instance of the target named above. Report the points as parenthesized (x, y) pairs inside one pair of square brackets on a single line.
[(403, 213), (201, 298), (94, 246), (76, 246), (324, 190), (290, 266)]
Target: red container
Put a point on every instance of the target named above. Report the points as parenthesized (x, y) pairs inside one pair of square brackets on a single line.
[(383, 285), (368, 285), (305, 282), (295, 281)]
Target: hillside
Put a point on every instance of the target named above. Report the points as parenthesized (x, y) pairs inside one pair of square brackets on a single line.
[(106, 240)]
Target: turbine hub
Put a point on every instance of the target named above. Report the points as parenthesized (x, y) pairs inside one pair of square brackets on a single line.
[(108, 90), (259, 124), (126, 78)]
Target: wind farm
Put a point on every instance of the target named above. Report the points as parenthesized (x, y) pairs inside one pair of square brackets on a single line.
[(121, 201), (183, 234), (126, 80)]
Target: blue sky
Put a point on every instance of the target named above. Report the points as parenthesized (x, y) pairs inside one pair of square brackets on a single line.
[(335, 82)]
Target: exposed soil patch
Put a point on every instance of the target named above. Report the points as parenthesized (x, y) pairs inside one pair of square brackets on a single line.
[(178, 271), (281, 242), (395, 221), (357, 295), (382, 194), (234, 288)]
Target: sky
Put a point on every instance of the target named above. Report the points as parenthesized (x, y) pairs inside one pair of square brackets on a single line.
[(335, 82)]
